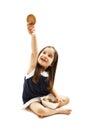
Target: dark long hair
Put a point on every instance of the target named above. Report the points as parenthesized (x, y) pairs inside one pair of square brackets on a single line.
[(51, 70)]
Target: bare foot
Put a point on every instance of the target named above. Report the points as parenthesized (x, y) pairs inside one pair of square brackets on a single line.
[(64, 111)]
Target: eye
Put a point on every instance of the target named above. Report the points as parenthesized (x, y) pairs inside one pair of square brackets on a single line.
[(44, 52), (50, 55)]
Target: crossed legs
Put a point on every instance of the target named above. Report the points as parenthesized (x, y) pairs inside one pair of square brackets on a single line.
[(42, 111)]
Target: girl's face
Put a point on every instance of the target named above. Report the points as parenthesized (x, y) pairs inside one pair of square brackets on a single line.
[(46, 57)]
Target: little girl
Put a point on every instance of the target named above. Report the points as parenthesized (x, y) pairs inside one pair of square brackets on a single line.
[(39, 79)]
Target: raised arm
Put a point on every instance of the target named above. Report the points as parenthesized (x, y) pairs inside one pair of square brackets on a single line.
[(34, 49)]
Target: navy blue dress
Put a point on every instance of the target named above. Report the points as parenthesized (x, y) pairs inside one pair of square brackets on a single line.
[(32, 90)]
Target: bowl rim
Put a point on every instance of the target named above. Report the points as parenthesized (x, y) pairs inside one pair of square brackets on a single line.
[(49, 104)]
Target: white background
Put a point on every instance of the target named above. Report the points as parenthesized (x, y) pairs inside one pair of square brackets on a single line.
[(62, 24)]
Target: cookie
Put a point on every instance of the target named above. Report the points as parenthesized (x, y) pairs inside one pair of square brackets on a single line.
[(31, 19)]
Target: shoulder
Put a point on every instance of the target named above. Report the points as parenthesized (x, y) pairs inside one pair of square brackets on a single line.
[(28, 75)]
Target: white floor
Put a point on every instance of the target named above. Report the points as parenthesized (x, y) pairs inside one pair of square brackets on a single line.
[(62, 24)]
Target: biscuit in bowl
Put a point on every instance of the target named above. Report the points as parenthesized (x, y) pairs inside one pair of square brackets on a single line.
[(49, 101)]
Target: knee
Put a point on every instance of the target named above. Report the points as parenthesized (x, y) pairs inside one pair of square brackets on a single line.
[(67, 100)]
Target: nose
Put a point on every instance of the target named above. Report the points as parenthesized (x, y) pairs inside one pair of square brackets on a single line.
[(45, 56)]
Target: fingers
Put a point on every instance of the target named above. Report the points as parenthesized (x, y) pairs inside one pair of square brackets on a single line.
[(56, 100), (30, 28)]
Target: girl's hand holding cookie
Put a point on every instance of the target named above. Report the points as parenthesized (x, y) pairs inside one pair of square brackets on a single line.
[(31, 28), (31, 20)]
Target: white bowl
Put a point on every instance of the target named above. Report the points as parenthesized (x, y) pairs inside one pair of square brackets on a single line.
[(49, 104)]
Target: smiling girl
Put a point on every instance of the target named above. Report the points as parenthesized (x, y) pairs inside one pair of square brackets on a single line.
[(39, 79)]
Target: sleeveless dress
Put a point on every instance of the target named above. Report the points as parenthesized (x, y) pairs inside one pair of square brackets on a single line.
[(33, 92)]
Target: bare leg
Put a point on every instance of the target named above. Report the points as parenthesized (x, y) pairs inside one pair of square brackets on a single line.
[(63, 101), (42, 111)]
